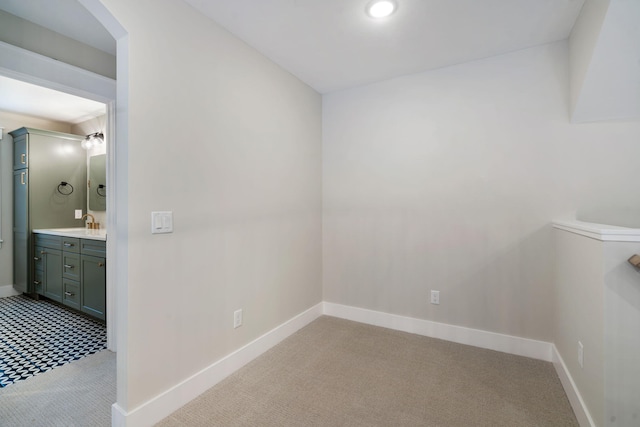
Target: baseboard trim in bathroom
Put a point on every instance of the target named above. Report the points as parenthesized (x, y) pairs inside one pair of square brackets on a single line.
[(8, 291), (172, 399)]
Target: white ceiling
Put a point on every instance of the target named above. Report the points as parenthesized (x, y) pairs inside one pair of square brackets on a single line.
[(333, 44), (66, 17), (329, 44), (25, 98)]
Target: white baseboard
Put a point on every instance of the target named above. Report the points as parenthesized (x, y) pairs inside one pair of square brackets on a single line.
[(164, 404), (575, 399), (8, 291), (172, 399), (490, 340), (118, 416)]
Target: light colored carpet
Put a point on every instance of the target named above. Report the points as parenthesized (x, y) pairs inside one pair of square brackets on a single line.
[(79, 393), (340, 373)]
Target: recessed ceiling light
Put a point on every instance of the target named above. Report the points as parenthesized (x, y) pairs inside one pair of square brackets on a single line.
[(381, 8)]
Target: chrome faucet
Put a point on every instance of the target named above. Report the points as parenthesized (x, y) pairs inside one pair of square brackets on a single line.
[(93, 225)]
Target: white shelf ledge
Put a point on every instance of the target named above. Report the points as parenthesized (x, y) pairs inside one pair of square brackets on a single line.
[(603, 232)]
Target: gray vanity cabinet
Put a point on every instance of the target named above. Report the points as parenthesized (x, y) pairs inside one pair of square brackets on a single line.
[(42, 160), (94, 286), (71, 268), (20, 159), (52, 286), (47, 265), (21, 231), (71, 271), (93, 283)]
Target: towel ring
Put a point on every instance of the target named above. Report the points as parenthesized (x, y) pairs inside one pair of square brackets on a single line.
[(64, 185), (104, 190)]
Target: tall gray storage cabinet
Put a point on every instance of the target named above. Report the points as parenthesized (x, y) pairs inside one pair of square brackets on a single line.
[(43, 161)]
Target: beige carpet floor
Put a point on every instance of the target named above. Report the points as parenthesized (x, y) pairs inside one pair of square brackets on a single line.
[(79, 393), (340, 373)]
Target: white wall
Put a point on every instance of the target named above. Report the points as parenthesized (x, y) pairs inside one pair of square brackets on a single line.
[(449, 179), (231, 144), (579, 299), (621, 284), (605, 53), (598, 304), (11, 122), (582, 43)]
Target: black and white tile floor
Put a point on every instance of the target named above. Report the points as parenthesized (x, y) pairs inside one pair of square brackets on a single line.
[(37, 336)]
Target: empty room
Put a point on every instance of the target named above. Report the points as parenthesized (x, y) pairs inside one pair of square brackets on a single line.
[(343, 212)]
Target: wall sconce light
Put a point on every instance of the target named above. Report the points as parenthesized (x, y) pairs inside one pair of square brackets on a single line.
[(92, 140)]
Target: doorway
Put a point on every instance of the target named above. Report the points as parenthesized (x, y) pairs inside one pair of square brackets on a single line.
[(26, 66)]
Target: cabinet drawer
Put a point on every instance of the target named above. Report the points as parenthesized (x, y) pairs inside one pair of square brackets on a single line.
[(94, 247), (71, 293), (71, 244), (70, 265), (48, 241)]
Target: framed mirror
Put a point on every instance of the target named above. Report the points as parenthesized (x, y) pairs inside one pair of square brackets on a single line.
[(98, 183)]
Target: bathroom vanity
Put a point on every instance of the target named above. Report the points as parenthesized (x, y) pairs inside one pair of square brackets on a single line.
[(69, 267), (49, 185)]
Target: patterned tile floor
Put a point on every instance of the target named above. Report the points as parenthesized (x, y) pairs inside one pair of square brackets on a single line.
[(37, 336)]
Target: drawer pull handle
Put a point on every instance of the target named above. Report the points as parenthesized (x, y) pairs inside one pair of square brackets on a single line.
[(43, 253), (22, 175), (68, 245), (23, 158), (69, 294), (35, 282), (68, 266), (101, 264), (35, 258)]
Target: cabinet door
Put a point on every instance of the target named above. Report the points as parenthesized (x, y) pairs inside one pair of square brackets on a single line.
[(20, 159), (53, 274), (38, 269), (93, 283), (20, 201), (21, 233)]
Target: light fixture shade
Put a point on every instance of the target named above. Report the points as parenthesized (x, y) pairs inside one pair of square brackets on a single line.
[(87, 143), (381, 8), (92, 140), (98, 138)]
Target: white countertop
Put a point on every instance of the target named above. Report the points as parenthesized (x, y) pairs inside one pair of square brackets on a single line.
[(604, 232), (80, 233)]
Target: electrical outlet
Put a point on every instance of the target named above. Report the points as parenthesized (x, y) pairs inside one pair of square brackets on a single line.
[(580, 354), (435, 297), (237, 318), (78, 214)]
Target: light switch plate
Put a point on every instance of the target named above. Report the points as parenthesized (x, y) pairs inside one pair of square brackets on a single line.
[(161, 222), (78, 214)]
